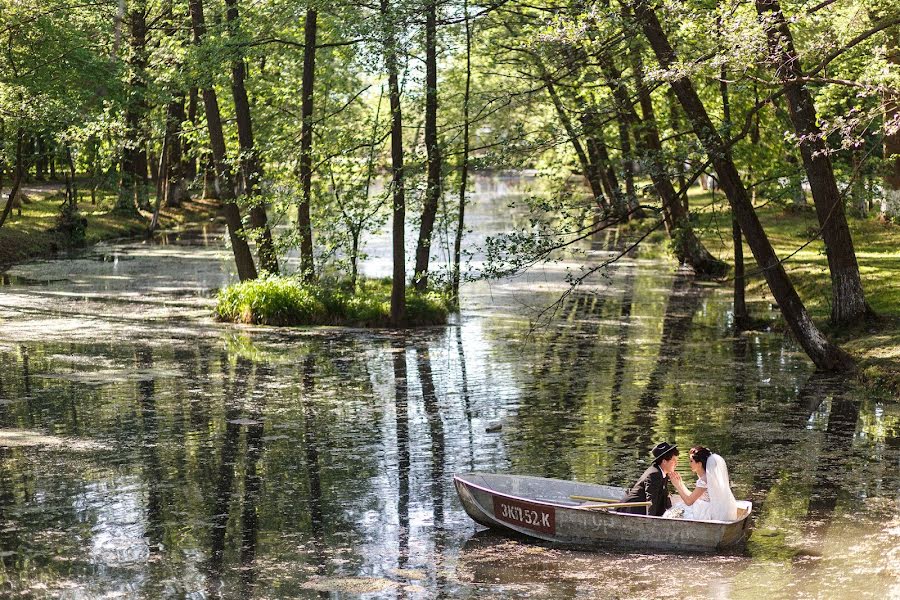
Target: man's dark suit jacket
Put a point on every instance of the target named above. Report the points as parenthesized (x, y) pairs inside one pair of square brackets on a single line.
[(651, 486)]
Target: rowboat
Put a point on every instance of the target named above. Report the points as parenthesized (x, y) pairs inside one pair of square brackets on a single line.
[(557, 511)]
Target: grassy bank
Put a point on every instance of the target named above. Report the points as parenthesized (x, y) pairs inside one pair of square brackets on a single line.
[(287, 301), (30, 232), (875, 345)]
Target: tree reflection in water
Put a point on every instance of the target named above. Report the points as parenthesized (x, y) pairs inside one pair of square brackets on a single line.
[(252, 462)]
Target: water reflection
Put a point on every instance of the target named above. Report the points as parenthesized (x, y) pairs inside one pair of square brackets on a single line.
[(245, 462)]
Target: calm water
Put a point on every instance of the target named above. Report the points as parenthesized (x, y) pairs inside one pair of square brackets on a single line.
[(149, 452)]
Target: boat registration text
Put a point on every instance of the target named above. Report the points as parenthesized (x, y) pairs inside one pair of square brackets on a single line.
[(525, 514)]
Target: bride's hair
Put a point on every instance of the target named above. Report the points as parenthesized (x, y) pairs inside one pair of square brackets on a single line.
[(700, 454)]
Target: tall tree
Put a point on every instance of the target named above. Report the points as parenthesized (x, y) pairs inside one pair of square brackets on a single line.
[(251, 168), (133, 188), (175, 184), (304, 223), (890, 204), (823, 353), (433, 190), (848, 302), (224, 180), (464, 159), (686, 245), (741, 318), (398, 287)]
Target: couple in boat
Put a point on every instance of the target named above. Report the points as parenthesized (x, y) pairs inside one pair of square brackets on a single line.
[(711, 499)]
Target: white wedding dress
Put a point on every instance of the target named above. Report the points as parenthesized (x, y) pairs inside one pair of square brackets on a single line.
[(717, 504)]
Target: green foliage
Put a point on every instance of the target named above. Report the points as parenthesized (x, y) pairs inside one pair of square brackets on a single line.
[(287, 301)]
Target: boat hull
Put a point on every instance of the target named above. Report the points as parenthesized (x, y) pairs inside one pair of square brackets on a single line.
[(541, 508)]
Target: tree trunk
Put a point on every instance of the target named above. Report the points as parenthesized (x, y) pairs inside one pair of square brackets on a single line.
[(304, 223), (432, 146), (162, 184), (587, 168), (823, 353), (741, 318), (17, 177), (848, 302), (398, 286), (133, 187), (890, 201), (464, 169), (175, 185), (251, 169), (210, 183), (599, 158), (686, 246), (187, 152), (632, 207), (242, 256)]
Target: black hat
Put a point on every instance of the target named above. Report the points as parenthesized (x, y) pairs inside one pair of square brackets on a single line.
[(661, 449)]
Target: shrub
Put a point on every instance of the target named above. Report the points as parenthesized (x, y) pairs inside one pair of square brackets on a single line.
[(271, 301), (287, 301)]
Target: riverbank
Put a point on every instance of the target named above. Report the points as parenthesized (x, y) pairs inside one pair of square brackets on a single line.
[(793, 233), (29, 231)]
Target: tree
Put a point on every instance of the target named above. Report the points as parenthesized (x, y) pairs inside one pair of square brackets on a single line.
[(823, 353), (251, 168), (848, 303), (133, 189), (224, 180), (398, 286), (304, 223), (464, 158), (433, 190)]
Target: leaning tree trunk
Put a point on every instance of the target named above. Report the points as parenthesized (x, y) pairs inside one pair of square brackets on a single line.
[(242, 256), (586, 167), (823, 353), (304, 222), (251, 169), (398, 286), (598, 154), (133, 187), (632, 208), (848, 302), (686, 245), (433, 149), (17, 177)]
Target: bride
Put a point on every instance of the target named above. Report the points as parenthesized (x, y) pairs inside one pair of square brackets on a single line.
[(711, 499)]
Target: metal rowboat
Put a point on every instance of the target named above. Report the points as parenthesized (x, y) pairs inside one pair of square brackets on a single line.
[(544, 509)]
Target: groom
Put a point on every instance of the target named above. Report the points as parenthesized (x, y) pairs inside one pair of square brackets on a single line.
[(652, 485)]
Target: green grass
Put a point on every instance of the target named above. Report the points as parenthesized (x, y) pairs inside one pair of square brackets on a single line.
[(287, 301), (877, 251), (875, 345), (29, 231)]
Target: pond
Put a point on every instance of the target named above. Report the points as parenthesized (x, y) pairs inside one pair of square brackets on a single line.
[(147, 451)]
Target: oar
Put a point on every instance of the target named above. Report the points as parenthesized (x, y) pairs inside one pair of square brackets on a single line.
[(612, 505), (592, 499)]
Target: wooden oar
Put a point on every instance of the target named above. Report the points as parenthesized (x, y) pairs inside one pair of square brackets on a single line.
[(592, 499), (612, 505)]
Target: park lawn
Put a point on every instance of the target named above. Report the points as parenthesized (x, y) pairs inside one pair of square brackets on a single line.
[(31, 234), (875, 345)]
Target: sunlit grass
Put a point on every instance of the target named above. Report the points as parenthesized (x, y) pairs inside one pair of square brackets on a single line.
[(29, 232), (287, 301), (793, 233)]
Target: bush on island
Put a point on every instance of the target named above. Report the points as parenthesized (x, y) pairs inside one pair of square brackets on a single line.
[(288, 301)]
